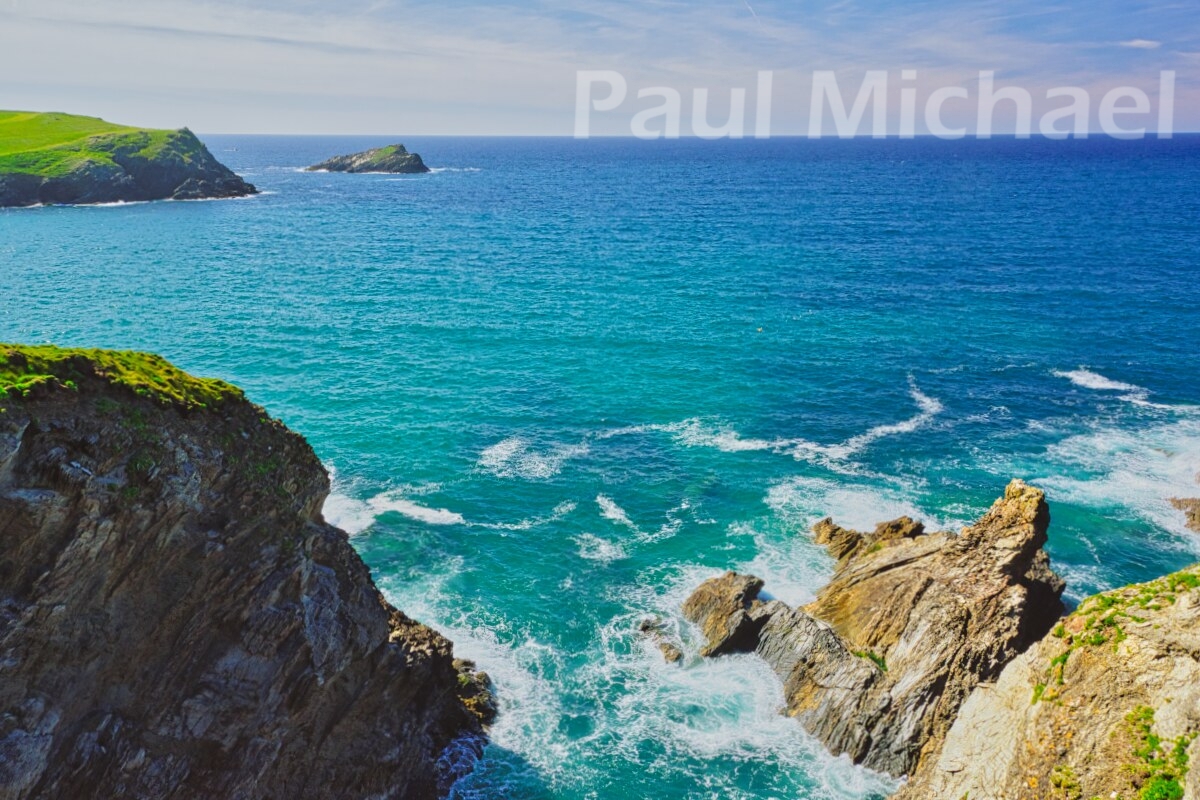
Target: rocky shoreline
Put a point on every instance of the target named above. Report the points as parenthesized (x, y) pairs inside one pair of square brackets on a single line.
[(177, 619), (129, 167), (946, 658)]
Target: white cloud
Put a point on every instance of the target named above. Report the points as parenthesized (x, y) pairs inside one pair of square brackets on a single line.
[(1142, 44), (399, 66)]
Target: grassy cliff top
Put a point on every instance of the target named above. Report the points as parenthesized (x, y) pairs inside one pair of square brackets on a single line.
[(54, 144), (27, 369)]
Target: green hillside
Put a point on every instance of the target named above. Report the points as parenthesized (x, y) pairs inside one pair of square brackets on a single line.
[(54, 144)]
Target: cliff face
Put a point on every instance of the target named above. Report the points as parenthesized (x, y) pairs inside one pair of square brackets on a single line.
[(176, 619), (119, 167), (393, 158), (879, 665), (1106, 705)]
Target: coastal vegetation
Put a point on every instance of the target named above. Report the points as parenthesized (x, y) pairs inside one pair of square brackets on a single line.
[(26, 369), (54, 158)]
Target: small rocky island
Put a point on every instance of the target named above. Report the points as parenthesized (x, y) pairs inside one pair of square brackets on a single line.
[(946, 658), (177, 619), (393, 159), (61, 159)]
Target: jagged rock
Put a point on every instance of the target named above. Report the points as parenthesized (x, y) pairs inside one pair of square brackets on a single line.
[(177, 620), (653, 628), (1190, 507), (879, 664), (1074, 715), (728, 612), (393, 158)]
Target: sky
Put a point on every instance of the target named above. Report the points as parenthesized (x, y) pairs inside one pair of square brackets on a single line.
[(460, 67)]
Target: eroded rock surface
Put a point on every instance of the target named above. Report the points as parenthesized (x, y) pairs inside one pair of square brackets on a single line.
[(879, 664), (1106, 705), (177, 620)]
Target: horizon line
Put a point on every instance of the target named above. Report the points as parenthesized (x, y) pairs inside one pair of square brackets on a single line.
[(1149, 134)]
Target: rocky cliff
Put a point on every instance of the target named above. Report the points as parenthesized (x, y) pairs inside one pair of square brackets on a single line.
[(393, 158), (879, 665), (1107, 705), (126, 166), (177, 620)]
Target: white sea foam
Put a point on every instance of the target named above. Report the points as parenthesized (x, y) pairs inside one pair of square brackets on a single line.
[(561, 716), (561, 511), (613, 512), (1087, 379), (406, 507), (531, 705), (670, 718), (1137, 395), (348, 513), (354, 516), (1129, 472), (928, 408), (593, 548), (695, 432), (514, 457)]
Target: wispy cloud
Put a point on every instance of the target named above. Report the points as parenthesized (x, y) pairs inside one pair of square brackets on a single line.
[(474, 66)]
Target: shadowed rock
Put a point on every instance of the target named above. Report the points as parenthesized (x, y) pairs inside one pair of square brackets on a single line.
[(177, 619), (130, 167)]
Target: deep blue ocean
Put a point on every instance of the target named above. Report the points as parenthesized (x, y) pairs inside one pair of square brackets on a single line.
[(561, 382)]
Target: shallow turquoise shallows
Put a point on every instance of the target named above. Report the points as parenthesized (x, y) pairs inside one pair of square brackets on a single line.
[(561, 382)]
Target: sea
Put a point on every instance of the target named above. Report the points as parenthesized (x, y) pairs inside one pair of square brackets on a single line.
[(561, 382)]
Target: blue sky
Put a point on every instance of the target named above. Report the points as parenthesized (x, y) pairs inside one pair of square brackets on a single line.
[(462, 67)]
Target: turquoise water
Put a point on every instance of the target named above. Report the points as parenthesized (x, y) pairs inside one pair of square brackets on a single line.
[(560, 383)]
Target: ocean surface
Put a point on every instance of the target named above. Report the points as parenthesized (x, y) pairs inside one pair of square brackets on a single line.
[(561, 382)]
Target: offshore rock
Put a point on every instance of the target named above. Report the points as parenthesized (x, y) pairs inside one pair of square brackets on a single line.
[(1106, 705), (176, 618), (393, 159), (879, 664)]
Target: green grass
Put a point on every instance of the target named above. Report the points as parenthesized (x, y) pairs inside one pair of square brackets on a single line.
[(52, 144), (874, 657), (27, 370), (1161, 764)]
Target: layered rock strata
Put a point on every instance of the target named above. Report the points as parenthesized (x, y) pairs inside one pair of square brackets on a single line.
[(878, 666), (176, 618)]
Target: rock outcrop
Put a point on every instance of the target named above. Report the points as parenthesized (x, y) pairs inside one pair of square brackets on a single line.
[(124, 167), (1107, 705), (1190, 507), (393, 158), (879, 665), (177, 620)]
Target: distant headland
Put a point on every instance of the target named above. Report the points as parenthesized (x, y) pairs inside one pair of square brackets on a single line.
[(393, 158), (53, 159)]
